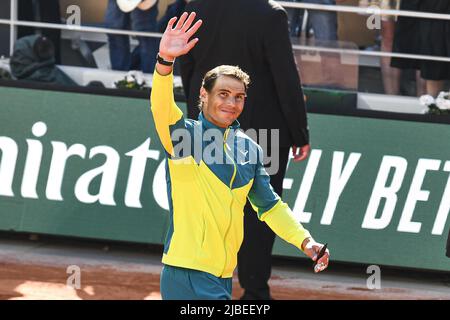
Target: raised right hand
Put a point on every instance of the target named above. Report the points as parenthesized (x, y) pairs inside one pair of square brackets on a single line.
[(175, 41)]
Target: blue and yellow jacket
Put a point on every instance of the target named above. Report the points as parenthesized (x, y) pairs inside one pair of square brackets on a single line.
[(207, 198)]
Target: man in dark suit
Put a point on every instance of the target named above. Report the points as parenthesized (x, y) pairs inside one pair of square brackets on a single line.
[(254, 35)]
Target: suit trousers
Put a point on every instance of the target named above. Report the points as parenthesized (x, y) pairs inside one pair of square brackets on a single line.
[(255, 254)]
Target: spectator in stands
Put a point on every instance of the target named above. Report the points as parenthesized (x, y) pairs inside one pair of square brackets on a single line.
[(253, 34), (323, 23), (426, 37), (136, 19), (42, 11), (391, 75), (33, 59)]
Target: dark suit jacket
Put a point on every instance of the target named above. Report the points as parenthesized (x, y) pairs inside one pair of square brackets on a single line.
[(252, 34)]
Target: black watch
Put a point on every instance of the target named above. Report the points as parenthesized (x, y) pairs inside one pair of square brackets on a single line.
[(163, 62)]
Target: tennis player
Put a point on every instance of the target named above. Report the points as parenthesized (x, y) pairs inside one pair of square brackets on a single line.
[(208, 184)]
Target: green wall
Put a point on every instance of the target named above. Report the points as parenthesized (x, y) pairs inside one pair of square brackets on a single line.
[(120, 158)]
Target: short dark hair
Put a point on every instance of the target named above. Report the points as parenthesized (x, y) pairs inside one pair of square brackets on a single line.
[(210, 78)]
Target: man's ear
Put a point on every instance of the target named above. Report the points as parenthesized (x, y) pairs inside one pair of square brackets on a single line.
[(203, 95)]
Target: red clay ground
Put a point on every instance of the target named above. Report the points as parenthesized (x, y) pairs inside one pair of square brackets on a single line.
[(25, 281)]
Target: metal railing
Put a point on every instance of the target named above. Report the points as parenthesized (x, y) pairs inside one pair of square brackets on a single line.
[(367, 11), (13, 22)]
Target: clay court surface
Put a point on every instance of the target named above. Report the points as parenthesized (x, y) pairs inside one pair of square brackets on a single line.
[(38, 270)]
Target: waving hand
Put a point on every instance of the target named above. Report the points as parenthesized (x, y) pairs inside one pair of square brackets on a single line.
[(175, 41)]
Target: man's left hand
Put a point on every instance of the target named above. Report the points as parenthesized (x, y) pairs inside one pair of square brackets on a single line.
[(301, 153), (312, 249)]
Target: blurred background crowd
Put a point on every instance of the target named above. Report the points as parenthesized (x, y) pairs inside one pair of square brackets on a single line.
[(43, 49)]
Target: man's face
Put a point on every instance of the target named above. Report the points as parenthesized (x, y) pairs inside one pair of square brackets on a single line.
[(223, 105)]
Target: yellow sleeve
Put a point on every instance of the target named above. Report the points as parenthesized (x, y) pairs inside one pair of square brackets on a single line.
[(165, 111), (282, 221)]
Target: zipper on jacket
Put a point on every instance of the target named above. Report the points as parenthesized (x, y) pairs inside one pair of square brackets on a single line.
[(231, 192)]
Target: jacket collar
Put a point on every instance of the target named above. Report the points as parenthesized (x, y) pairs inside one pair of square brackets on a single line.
[(209, 125)]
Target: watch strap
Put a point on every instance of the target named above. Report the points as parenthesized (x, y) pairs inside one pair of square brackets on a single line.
[(162, 61)]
